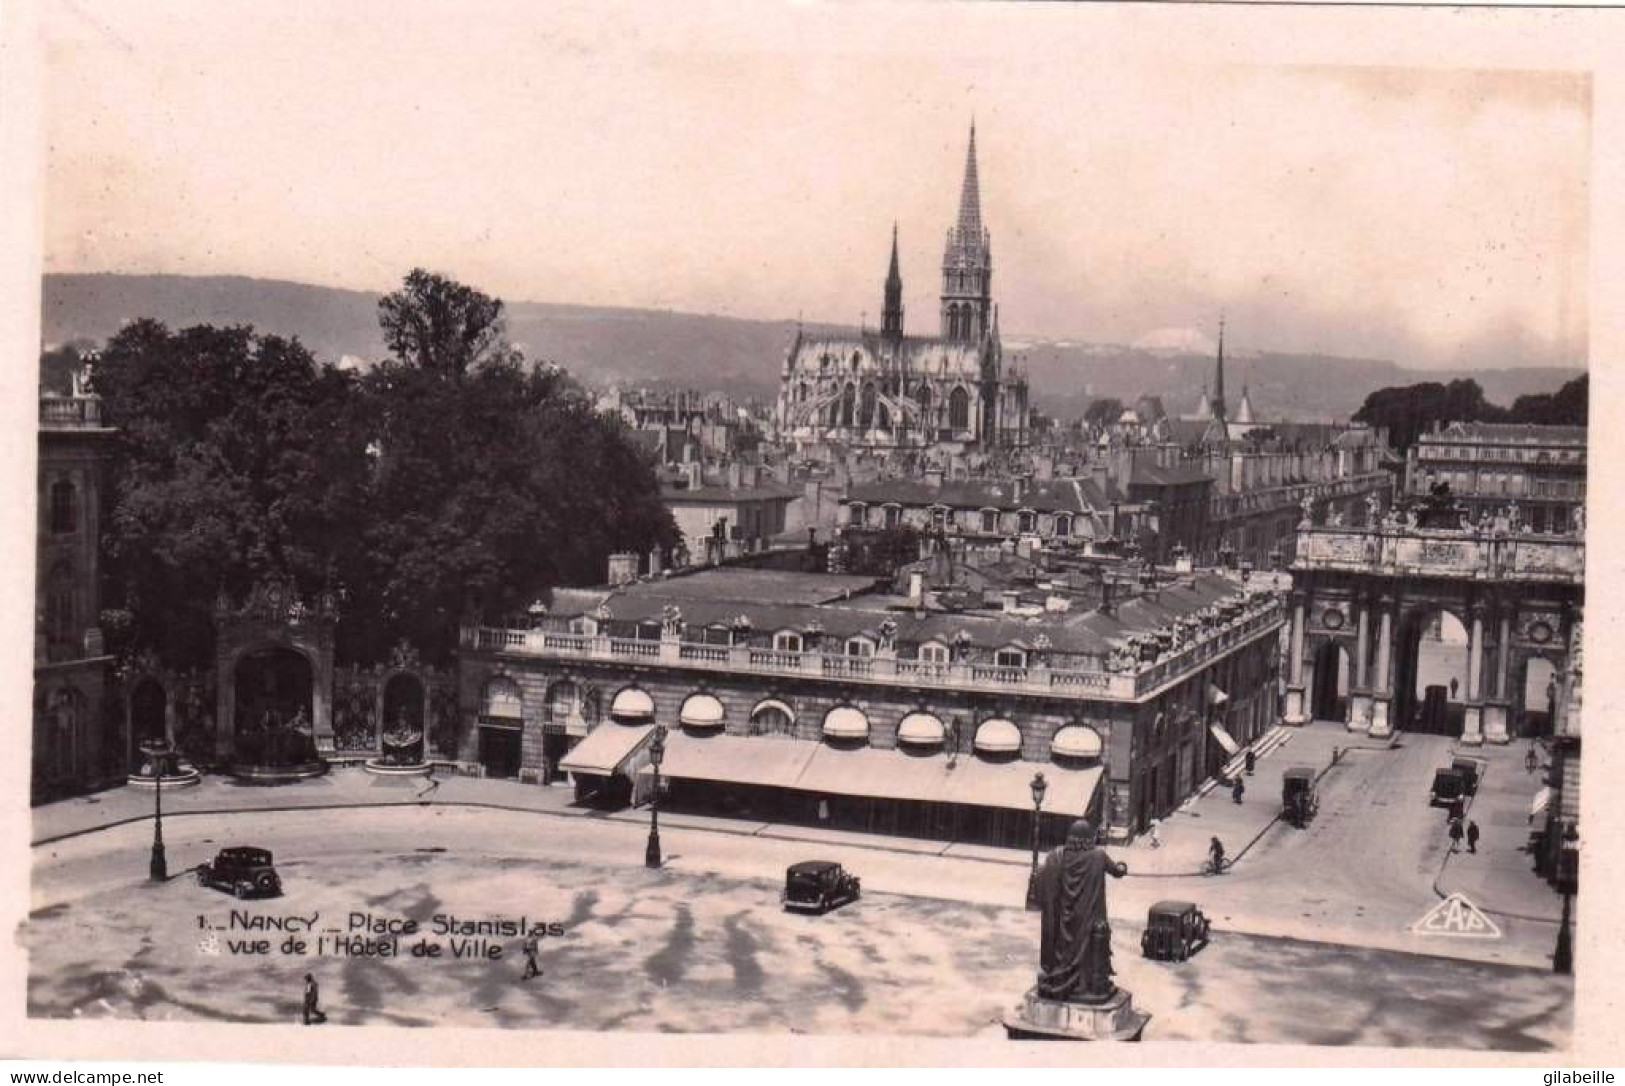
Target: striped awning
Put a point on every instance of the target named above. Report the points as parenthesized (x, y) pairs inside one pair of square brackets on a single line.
[(632, 706), (1542, 800), (1076, 741), (1231, 747), (701, 711), (607, 749), (920, 728), (845, 722), (998, 736)]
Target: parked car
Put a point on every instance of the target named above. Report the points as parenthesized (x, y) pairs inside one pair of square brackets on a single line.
[(1174, 930), (1449, 787), (245, 872), (1469, 768), (1299, 797), (818, 886)]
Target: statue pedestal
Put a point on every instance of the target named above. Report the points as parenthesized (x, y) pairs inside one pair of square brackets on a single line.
[(1038, 1019)]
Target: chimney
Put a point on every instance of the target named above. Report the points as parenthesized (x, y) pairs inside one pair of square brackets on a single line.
[(916, 589), (933, 478), (1102, 479), (735, 474), (623, 568), (1012, 601), (1018, 488), (1108, 599)]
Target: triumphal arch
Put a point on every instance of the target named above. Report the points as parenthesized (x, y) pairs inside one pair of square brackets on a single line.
[(1363, 599)]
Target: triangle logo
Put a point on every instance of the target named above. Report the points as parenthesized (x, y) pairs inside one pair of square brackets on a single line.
[(1457, 917)]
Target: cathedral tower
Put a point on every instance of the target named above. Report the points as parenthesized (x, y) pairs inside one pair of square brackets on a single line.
[(891, 312), (967, 264)]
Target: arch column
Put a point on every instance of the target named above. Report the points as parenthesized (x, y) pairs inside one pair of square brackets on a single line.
[(1497, 704), (1382, 693), (1296, 704), (1359, 717), (1472, 731)]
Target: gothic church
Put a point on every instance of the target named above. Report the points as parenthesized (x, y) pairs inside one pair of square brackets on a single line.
[(890, 390)]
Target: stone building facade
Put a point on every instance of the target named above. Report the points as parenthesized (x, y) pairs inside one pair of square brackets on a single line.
[(840, 704)]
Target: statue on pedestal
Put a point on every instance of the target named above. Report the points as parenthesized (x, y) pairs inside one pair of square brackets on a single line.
[(1075, 997)]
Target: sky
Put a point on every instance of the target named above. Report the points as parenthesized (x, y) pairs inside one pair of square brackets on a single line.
[(1141, 170)]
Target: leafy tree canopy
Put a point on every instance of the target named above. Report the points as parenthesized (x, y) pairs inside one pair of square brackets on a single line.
[(449, 481), (1103, 412), (1412, 410)]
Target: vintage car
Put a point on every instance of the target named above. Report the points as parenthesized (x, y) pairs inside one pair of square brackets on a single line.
[(816, 886), (1299, 798), (1450, 787), (245, 872), (1469, 769), (1174, 930)]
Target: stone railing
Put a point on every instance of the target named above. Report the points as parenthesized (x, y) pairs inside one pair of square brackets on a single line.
[(1436, 553), (70, 413), (1261, 616)]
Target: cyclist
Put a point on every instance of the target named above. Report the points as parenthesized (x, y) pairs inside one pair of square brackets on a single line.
[(1215, 852)]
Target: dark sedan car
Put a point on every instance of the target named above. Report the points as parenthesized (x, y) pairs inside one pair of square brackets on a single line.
[(245, 872), (817, 886)]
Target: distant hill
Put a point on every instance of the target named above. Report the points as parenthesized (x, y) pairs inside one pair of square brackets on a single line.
[(656, 347)]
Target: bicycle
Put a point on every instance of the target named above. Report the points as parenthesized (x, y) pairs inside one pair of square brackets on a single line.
[(1215, 867)]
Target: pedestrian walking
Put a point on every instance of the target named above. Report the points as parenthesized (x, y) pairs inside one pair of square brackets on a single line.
[(313, 1002), (1237, 790), (1156, 841), (1215, 856), (1531, 761), (1455, 835), (1472, 837), (531, 947), (1252, 761)]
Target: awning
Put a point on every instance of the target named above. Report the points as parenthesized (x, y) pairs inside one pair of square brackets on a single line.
[(734, 759), (922, 728), (1231, 747), (845, 722), (880, 774), (632, 706), (1215, 696), (1543, 799), (1008, 785), (701, 711), (606, 748), (1076, 741), (998, 737)]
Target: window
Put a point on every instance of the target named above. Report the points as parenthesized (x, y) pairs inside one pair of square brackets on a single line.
[(787, 641), (866, 405), (64, 511), (990, 520), (858, 646), (933, 653), (894, 515), (959, 410), (1010, 658), (939, 517), (1027, 521), (1063, 525), (849, 402), (854, 514), (772, 717)]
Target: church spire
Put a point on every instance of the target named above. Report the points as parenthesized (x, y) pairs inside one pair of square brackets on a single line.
[(967, 263), (891, 313), (1219, 414), (970, 197)]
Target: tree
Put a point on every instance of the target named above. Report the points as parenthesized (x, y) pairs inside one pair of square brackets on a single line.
[(1411, 410), (1103, 412), (440, 325), (236, 459), (1566, 407), (493, 483)]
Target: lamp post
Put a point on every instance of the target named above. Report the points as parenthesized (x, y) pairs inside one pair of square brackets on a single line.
[(158, 868), (1039, 786), (657, 754)]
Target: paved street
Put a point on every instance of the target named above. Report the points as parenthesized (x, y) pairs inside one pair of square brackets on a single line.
[(698, 946)]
